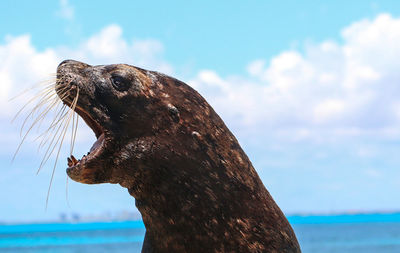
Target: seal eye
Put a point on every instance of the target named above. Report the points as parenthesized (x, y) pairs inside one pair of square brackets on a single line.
[(120, 83)]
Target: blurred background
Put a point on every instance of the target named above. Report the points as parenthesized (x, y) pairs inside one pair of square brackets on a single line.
[(310, 89)]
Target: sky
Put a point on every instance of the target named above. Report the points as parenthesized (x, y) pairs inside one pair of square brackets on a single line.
[(310, 90)]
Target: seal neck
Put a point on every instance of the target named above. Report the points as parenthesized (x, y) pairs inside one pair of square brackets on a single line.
[(212, 213)]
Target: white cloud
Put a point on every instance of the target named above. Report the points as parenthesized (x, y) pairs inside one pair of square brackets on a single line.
[(23, 66), (107, 43), (332, 89), (66, 10), (256, 67), (330, 109), (109, 46)]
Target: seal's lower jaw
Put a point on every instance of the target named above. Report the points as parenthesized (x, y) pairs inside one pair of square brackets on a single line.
[(89, 169)]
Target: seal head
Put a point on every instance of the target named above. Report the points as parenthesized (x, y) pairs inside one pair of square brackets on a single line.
[(105, 93), (196, 189)]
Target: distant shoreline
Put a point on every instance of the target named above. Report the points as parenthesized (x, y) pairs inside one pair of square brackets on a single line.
[(346, 212), (294, 218), (370, 217)]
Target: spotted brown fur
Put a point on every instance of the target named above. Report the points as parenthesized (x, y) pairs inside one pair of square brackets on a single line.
[(196, 189)]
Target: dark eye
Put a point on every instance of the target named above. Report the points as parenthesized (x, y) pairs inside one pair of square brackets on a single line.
[(120, 83)]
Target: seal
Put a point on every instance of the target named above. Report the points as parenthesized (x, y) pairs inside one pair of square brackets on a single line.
[(195, 187)]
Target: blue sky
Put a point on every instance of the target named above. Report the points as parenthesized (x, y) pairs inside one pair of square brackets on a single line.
[(309, 89)]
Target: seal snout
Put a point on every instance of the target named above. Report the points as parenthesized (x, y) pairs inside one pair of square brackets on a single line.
[(72, 63), (68, 68), (66, 62)]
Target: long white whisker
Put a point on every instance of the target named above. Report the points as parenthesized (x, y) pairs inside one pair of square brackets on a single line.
[(72, 133), (52, 103), (47, 154), (66, 193), (24, 137), (57, 101), (49, 83), (30, 101), (52, 107), (46, 110), (56, 119), (58, 152), (37, 107)]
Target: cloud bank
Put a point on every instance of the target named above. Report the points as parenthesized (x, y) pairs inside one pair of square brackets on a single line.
[(330, 90)]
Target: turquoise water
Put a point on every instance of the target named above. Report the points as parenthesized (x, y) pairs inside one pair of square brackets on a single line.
[(364, 233), (339, 233)]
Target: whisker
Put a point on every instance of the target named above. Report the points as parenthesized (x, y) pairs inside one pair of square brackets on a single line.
[(50, 108), (72, 133), (47, 154), (59, 148), (49, 131), (25, 135), (59, 116), (66, 193), (45, 95), (37, 107), (29, 89), (48, 97), (42, 93), (55, 121), (56, 102), (30, 101), (62, 116), (39, 119), (22, 141), (44, 134), (74, 129)]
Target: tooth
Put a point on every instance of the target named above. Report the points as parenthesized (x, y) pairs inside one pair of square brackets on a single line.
[(69, 162), (74, 160)]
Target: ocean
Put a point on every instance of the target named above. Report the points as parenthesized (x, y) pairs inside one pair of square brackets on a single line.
[(325, 233)]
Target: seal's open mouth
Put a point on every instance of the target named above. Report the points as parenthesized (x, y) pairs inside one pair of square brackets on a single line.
[(82, 169), (73, 163)]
